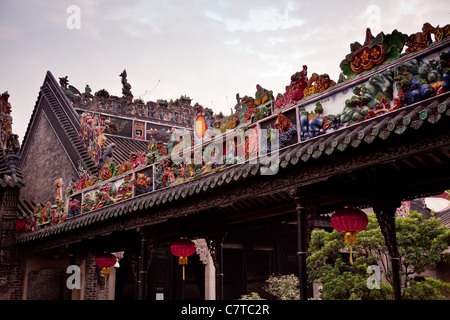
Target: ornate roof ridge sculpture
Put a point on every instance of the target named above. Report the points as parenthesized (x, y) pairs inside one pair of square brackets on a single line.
[(374, 52), (10, 173), (179, 112), (410, 118), (300, 115)]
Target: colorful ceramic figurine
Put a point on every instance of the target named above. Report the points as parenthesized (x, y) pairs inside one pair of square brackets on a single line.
[(142, 183), (250, 109), (282, 123), (59, 192), (5, 119), (420, 40), (318, 84), (294, 91), (74, 208), (442, 33), (262, 95), (287, 129)]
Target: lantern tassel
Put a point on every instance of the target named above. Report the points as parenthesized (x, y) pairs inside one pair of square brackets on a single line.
[(350, 238), (105, 271), (182, 260), (351, 255)]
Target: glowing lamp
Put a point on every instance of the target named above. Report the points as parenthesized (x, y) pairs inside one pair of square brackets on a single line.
[(200, 126)]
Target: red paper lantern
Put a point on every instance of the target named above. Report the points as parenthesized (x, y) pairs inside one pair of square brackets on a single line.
[(349, 221), (200, 126), (183, 248), (105, 261)]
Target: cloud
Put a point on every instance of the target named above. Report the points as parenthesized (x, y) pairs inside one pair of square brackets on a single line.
[(11, 33), (258, 19)]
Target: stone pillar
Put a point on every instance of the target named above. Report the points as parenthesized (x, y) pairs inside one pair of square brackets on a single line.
[(210, 271), (215, 246)]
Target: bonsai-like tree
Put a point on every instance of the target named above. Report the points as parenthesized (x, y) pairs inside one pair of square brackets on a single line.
[(421, 245)]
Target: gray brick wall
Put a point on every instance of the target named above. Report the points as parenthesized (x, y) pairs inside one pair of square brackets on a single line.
[(46, 161)]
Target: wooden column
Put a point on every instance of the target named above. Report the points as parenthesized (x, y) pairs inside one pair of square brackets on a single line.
[(219, 261), (143, 267), (386, 219), (301, 244), (215, 246)]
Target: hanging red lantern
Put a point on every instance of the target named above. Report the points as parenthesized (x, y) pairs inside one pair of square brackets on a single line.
[(183, 248), (349, 221), (200, 126), (105, 261)]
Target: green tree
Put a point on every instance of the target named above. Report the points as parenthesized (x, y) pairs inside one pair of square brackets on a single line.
[(281, 287), (429, 289), (420, 241)]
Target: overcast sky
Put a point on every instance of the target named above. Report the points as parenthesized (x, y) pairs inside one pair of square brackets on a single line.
[(207, 50)]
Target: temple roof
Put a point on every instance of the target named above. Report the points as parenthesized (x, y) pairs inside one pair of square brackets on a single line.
[(434, 112), (125, 147), (394, 125), (62, 109), (59, 110)]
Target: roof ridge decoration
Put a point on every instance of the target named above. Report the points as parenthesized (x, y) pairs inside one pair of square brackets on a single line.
[(10, 174), (69, 123), (6, 137), (374, 52), (60, 109), (392, 87), (179, 112), (126, 87), (412, 116)]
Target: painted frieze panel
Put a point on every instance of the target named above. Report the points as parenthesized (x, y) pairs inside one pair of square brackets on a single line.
[(107, 193)]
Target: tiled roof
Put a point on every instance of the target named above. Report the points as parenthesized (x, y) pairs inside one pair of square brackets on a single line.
[(66, 117), (25, 207), (444, 215), (125, 146), (434, 111)]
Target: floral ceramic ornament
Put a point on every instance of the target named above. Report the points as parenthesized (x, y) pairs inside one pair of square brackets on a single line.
[(374, 52)]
